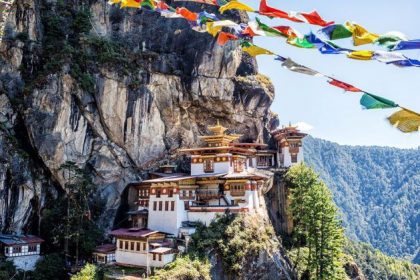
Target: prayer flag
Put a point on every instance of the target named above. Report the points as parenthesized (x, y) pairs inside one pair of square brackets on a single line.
[(254, 50), (261, 29), (288, 31), (187, 14), (111, 2), (148, 3), (271, 12), (161, 5), (225, 37), (209, 2), (406, 63), (405, 120), (343, 85), (336, 31), (370, 101), (360, 35), (388, 57), (361, 55), (407, 45), (234, 4), (213, 30), (315, 19), (390, 39), (204, 17), (300, 42), (130, 4), (295, 67)]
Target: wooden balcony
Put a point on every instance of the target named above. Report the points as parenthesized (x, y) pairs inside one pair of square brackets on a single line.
[(237, 192), (208, 195)]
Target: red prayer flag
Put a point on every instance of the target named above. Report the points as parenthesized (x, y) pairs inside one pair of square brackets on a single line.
[(248, 32), (162, 5), (272, 12), (343, 85), (187, 14), (224, 37), (315, 18), (286, 31)]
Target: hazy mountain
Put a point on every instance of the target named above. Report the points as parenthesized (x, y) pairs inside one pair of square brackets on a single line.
[(377, 189)]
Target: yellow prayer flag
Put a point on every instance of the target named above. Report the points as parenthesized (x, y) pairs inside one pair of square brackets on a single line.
[(130, 4), (234, 4), (111, 2), (361, 55), (405, 120), (213, 30), (255, 50), (360, 35)]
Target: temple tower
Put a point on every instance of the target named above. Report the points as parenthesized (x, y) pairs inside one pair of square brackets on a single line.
[(289, 146)]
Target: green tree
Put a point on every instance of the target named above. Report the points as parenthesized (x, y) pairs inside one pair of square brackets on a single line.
[(7, 269), (89, 272), (316, 224), (50, 267)]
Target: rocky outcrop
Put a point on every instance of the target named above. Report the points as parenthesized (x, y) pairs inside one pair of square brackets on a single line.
[(116, 91)]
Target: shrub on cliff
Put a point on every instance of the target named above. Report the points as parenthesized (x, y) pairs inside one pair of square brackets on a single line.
[(184, 268), (232, 238)]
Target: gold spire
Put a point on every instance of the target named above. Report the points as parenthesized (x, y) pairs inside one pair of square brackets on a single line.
[(218, 137)]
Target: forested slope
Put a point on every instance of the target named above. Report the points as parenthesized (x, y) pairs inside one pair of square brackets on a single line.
[(377, 189)]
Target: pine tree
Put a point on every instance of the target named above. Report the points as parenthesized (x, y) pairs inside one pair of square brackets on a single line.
[(316, 225)]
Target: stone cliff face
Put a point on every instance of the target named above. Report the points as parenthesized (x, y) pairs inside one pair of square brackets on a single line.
[(117, 92)]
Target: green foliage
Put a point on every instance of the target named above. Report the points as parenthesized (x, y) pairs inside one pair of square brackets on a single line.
[(71, 219), (377, 189), (185, 268), (7, 269), (89, 272), (50, 267), (376, 265), (233, 238), (315, 224)]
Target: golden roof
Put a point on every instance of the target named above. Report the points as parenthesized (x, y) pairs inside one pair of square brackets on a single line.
[(218, 135)]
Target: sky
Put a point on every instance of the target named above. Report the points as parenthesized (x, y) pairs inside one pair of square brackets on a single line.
[(335, 115)]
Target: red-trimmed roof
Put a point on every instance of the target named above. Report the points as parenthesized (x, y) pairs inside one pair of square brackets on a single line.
[(132, 232), (105, 248), (13, 239)]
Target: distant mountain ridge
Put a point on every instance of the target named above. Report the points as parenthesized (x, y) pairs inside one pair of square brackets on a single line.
[(377, 189)]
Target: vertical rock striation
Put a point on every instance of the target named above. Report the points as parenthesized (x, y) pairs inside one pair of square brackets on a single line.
[(116, 91)]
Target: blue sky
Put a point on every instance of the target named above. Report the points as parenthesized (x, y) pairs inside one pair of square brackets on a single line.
[(335, 115)]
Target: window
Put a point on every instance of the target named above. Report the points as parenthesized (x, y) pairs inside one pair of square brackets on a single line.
[(154, 257), (121, 245), (138, 246), (172, 205), (190, 193), (237, 190), (126, 245), (32, 248), (294, 158), (250, 162), (144, 246), (17, 249), (238, 165), (158, 193), (208, 166), (160, 257), (160, 205), (132, 246), (265, 161), (166, 205), (154, 205), (171, 193)]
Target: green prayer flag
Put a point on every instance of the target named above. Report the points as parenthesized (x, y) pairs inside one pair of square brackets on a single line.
[(267, 29), (300, 42), (370, 101), (389, 40), (147, 3)]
